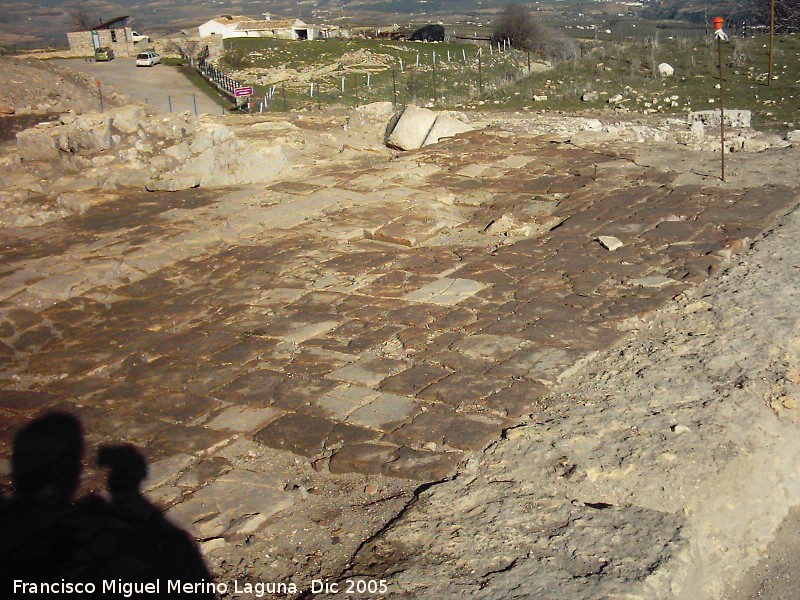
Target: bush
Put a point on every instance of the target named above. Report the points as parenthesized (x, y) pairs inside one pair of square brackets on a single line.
[(237, 59), (518, 26)]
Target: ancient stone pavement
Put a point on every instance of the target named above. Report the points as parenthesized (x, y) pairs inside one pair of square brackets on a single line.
[(385, 319)]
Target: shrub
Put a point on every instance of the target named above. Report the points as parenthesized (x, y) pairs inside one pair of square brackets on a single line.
[(517, 25), (237, 58)]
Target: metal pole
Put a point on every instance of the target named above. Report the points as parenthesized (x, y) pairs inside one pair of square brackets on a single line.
[(394, 86), (529, 62), (721, 112), (100, 92), (434, 76), (169, 99), (194, 99), (771, 36)]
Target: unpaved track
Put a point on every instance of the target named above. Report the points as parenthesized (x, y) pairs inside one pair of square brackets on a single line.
[(157, 86)]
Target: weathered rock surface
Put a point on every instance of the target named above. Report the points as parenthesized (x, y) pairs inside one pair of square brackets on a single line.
[(733, 117), (648, 480), (417, 127), (125, 146), (412, 128), (447, 126)]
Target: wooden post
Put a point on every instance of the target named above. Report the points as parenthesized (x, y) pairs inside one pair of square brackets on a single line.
[(434, 76), (394, 86), (480, 74)]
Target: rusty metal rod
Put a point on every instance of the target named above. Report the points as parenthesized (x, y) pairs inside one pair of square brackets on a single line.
[(771, 37), (721, 111)]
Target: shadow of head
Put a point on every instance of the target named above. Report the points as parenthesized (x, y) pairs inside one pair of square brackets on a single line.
[(46, 459), (127, 467)]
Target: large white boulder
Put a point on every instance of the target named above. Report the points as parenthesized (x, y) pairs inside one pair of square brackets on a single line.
[(38, 143), (666, 70), (88, 134), (446, 126), (128, 119), (412, 128)]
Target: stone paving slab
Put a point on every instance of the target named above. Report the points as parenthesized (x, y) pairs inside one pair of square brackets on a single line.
[(181, 323)]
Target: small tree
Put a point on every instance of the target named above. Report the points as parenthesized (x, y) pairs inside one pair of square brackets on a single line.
[(518, 26), (787, 14), (188, 48), (82, 16)]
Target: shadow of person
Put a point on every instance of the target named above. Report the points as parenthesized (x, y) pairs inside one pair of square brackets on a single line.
[(37, 539), (162, 550), (46, 536)]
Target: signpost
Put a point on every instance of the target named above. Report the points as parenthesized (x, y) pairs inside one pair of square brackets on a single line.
[(721, 36), (243, 92)]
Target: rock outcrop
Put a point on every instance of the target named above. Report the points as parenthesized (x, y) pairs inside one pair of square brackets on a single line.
[(418, 127), (126, 146), (733, 117)]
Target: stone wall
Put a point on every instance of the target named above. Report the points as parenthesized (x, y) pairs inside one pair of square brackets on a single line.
[(119, 40)]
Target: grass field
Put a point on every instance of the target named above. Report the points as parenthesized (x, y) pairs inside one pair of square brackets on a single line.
[(360, 71), (630, 70)]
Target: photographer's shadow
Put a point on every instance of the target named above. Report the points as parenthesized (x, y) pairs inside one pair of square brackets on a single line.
[(47, 536)]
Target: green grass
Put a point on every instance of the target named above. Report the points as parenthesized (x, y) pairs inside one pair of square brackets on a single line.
[(628, 69), (611, 68)]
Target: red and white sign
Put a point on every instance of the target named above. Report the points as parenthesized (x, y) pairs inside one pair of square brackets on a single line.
[(241, 92)]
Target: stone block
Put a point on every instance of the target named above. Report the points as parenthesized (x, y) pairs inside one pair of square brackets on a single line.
[(369, 372), (414, 380), (38, 144), (237, 503), (412, 128), (385, 413), (446, 126), (243, 419), (422, 466), (445, 291), (302, 434), (362, 458)]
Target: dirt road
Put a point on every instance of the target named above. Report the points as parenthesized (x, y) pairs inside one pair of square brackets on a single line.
[(163, 87)]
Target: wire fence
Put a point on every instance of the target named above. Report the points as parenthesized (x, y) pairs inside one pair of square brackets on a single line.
[(441, 77)]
